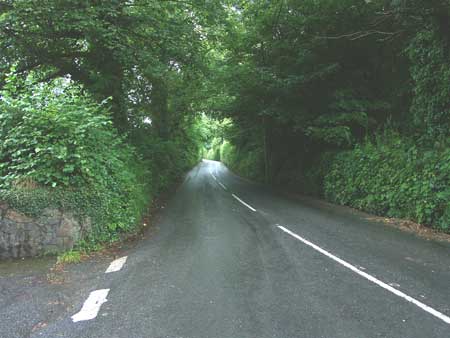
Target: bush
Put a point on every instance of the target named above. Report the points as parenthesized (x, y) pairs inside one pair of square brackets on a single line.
[(430, 73), (57, 136), (213, 153), (69, 257), (303, 176), (226, 152), (58, 148), (168, 159), (393, 176), (246, 161)]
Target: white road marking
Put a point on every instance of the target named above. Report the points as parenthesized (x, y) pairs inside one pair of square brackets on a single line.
[(247, 205), (91, 306), (396, 292), (223, 186), (220, 183), (116, 265)]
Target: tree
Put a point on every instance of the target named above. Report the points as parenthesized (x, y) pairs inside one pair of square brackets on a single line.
[(128, 51)]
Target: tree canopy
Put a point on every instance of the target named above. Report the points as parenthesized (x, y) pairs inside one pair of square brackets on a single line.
[(282, 89)]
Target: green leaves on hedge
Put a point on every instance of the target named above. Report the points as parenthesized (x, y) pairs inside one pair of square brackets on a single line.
[(393, 176)]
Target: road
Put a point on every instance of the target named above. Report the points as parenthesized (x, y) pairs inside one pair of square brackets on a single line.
[(229, 258)]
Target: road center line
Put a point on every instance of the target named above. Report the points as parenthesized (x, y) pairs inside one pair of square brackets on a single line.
[(215, 178), (91, 306), (223, 186), (247, 205), (396, 292), (116, 265)]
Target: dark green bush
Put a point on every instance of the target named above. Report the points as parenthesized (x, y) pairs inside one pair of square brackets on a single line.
[(58, 149), (168, 159), (393, 176), (246, 161), (309, 179), (57, 136), (430, 73)]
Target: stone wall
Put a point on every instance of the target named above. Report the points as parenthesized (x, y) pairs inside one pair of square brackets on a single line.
[(53, 231)]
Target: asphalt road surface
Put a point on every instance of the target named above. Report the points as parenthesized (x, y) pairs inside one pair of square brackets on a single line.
[(232, 259)]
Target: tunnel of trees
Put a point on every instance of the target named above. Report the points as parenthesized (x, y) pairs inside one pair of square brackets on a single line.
[(103, 104)]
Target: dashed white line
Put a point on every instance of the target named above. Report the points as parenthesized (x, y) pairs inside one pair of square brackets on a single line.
[(116, 265), (222, 185), (247, 205), (385, 286), (91, 306)]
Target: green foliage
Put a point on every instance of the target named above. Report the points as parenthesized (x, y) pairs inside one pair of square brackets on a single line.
[(214, 133), (213, 153), (248, 162), (290, 69), (115, 49), (59, 149), (69, 257), (286, 84), (32, 200), (93, 118), (393, 176), (305, 80), (168, 159), (430, 71), (56, 136), (226, 152), (307, 179)]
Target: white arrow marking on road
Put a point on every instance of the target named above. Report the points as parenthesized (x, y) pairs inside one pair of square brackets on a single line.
[(396, 292), (247, 205), (116, 265), (91, 306)]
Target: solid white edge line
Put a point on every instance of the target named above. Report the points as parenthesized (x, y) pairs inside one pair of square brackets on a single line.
[(223, 186), (247, 205), (396, 292), (91, 306), (116, 265)]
